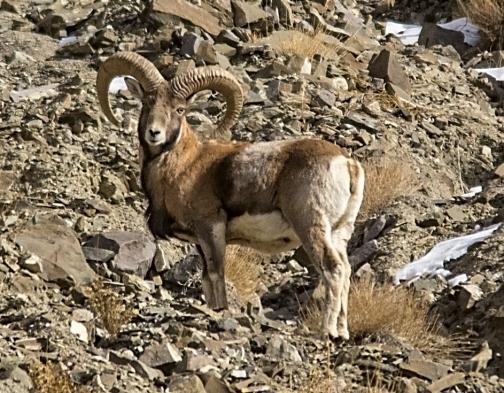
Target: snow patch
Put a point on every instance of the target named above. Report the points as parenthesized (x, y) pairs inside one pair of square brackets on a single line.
[(497, 73), (433, 261), (118, 84), (409, 34)]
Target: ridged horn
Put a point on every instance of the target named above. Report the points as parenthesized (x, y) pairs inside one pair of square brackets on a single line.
[(125, 64), (212, 78)]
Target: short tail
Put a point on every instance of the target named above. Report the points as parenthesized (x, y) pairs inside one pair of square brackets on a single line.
[(357, 178)]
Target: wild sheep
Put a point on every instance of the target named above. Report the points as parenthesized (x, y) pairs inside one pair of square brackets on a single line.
[(272, 196)]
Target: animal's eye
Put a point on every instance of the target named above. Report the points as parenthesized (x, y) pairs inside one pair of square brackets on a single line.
[(180, 111)]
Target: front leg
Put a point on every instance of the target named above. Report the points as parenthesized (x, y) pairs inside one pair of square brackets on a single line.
[(211, 237), (159, 223)]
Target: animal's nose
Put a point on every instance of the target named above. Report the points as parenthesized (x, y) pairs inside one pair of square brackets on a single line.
[(154, 132)]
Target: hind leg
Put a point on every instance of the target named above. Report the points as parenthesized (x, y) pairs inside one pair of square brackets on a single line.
[(318, 243), (340, 245)]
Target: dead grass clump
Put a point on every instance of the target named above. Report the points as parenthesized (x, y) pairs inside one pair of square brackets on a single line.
[(386, 181), (323, 380), (307, 45), (488, 15), (109, 307), (385, 311), (50, 378), (319, 381), (242, 269)]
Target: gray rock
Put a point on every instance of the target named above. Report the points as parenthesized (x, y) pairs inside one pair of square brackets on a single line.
[(373, 230), (325, 98), (215, 385), (152, 374), (195, 46), (398, 92), (183, 9), (386, 66), (59, 251), (299, 65), (284, 11), (7, 179), (17, 58), (158, 355), (195, 362), (432, 34), (99, 255), (456, 214), (363, 254), (134, 250), (362, 120), (225, 49), (431, 129), (446, 382), (468, 295), (113, 188), (430, 220), (279, 349), (190, 44), (247, 13), (425, 369), (186, 384), (34, 93)]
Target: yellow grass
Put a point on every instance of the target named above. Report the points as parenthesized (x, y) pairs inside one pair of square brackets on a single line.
[(323, 380), (386, 180), (307, 45), (488, 15), (109, 307), (242, 269), (50, 378), (381, 312)]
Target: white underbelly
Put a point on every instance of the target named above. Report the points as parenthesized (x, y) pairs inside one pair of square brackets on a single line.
[(264, 232)]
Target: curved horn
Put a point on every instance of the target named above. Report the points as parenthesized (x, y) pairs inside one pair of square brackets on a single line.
[(213, 78), (122, 64)]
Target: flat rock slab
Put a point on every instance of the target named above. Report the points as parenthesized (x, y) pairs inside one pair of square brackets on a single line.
[(425, 369), (446, 382), (246, 13), (34, 93), (134, 251), (59, 251), (190, 12), (7, 179), (386, 66)]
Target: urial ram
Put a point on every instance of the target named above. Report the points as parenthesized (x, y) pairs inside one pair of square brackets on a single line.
[(271, 196)]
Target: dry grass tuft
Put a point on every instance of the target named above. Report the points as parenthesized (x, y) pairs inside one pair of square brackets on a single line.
[(50, 378), (242, 269), (109, 307), (385, 310), (382, 312), (307, 45), (319, 381), (323, 380), (386, 181), (488, 15)]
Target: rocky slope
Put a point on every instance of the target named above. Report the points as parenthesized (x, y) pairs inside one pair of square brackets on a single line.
[(71, 209)]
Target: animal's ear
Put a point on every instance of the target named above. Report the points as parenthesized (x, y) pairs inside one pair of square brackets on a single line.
[(134, 87)]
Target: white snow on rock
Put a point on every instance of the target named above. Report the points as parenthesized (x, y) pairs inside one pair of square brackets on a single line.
[(118, 84), (409, 34), (497, 73), (433, 261)]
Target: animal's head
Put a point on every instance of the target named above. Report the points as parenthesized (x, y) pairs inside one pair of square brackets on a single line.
[(164, 102)]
